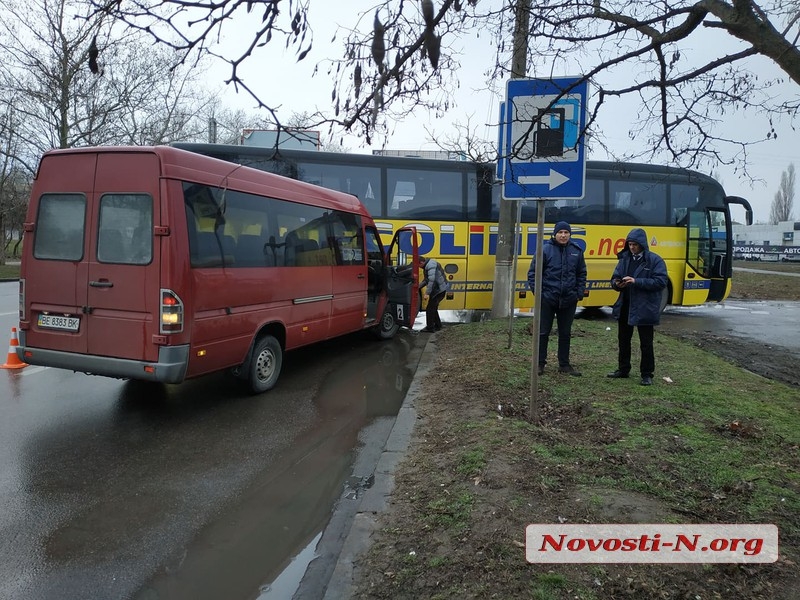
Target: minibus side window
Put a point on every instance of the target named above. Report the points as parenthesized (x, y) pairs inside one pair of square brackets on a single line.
[(206, 220), (60, 227), (243, 233), (125, 234), (347, 238), (375, 261), (304, 230)]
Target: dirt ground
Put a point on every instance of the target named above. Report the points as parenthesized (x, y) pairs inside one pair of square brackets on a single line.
[(753, 356), (484, 560)]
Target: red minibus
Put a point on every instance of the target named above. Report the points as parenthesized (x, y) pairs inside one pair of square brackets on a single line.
[(159, 264)]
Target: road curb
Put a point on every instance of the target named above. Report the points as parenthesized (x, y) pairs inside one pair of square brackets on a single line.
[(353, 524)]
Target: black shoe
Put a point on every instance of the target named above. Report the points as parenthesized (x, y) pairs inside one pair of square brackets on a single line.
[(569, 370), (541, 369), (647, 380), (428, 329), (437, 328), (618, 374)]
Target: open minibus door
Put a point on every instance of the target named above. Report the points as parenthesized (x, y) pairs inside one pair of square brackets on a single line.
[(401, 280)]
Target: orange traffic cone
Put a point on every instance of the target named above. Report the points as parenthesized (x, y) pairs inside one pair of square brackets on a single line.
[(13, 361)]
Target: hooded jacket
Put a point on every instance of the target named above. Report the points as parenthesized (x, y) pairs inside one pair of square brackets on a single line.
[(563, 272), (650, 277)]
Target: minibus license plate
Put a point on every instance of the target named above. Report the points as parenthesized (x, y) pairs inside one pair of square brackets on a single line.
[(57, 322)]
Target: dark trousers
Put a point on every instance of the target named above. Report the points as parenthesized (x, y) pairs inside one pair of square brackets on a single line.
[(432, 320), (647, 366), (564, 315)]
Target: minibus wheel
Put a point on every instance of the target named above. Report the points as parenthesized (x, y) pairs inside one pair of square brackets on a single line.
[(265, 364), (388, 326)]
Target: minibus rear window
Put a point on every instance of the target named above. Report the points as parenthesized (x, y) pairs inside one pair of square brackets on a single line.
[(126, 229), (60, 227)]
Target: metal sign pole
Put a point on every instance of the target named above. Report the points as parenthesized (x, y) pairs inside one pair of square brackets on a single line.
[(537, 312)]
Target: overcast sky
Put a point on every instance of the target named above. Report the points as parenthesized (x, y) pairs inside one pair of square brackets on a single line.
[(283, 81)]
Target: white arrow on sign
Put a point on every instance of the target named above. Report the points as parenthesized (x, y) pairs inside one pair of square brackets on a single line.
[(554, 179)]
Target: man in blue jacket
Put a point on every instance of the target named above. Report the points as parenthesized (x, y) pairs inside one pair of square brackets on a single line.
[(563, 284), (640, 277)]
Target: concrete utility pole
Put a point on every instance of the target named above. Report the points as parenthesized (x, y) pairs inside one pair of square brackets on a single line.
[(504, 277)]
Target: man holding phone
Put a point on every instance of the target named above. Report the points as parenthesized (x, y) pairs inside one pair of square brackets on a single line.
[(639, 277)]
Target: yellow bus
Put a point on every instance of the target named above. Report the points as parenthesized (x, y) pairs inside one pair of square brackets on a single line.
[(454, 206)]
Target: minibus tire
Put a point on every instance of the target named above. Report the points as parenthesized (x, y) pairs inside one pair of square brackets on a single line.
[(265, 364), (388, 327)]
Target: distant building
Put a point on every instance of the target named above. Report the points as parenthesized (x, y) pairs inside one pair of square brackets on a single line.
[(767, 242)]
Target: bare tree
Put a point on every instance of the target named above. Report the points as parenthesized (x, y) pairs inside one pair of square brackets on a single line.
[(229, 125), (783, 202), (403, 56), (14, 180), (78, 83), (464, 141)]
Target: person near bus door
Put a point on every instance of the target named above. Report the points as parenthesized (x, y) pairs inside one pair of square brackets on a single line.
[(639, 277), (437, 285), (563, 285)]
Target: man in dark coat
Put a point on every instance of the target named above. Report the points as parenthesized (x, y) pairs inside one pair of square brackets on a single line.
[(563, 284), (640, 277)]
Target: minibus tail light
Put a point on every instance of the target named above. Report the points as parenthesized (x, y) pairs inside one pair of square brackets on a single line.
[(171, 312)]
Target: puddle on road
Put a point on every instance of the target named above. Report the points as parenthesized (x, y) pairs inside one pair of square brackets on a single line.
[(268, 539), (288, 581)]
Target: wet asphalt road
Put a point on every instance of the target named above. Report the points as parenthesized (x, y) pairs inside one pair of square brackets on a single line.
[(114, 489), (771, 322)]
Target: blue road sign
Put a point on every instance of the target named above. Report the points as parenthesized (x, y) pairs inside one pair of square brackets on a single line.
[(543, 139)]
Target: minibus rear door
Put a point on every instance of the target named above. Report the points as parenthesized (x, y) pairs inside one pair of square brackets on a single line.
[(123, 288)]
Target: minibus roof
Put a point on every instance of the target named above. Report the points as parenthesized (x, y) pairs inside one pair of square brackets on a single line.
[(197, 168)]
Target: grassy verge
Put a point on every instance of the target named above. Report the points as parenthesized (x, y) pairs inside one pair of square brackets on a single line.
[(698, 412), (717, 445), (784, 267), (9, 271), (759, 286), (763, 286)]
